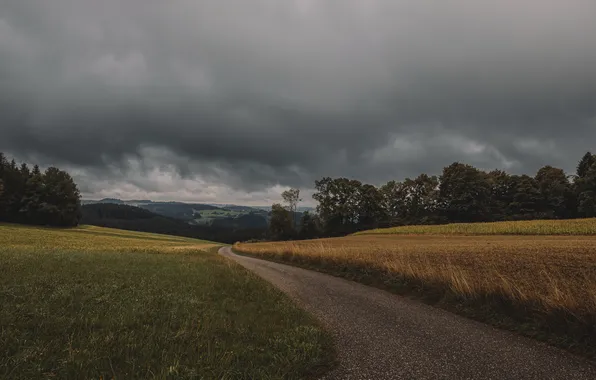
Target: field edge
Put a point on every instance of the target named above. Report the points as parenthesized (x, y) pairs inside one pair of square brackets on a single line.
[(413, 289)]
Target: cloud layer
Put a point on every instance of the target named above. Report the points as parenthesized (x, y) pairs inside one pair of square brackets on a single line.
[(234, 100)]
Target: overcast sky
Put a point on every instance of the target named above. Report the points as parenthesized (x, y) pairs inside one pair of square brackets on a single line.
[(231, 101)]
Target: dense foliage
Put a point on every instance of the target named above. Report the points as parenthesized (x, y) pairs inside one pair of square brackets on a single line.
[(462, 193), (30, 196)]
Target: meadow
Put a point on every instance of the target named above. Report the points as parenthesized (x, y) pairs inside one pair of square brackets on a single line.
[(543, 286), (99, 303)]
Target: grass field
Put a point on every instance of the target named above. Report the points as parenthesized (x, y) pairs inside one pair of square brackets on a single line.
[(541, 286), (524, 227), (97, 303)]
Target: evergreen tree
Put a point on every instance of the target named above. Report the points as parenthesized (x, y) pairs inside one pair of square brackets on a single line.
[(585, 164), (33, 195), (28, 196)]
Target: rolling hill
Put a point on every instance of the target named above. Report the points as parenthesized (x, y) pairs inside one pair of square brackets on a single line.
[(133, 218), (228, 216)]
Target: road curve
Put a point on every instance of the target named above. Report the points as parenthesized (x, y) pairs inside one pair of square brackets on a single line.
[(383, 336)]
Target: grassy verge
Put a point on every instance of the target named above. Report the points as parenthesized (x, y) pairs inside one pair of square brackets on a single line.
[(100, 303), (525, 227), (541, 286)]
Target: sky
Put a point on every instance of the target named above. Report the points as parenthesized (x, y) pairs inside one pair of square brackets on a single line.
[(233, 101)]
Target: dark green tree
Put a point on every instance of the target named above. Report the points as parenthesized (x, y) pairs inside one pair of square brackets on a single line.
[(394, 202), (585, 190), (503, 190), (309, 226), (61, 199), (527, 201), (33, 196), (557, 193), (464, 194), (338, 207), (371, 213), (585, 164), (30, 197), (280, 224), (422, 199)]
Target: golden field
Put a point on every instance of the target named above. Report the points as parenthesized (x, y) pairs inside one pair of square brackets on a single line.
[(521, 227), (544, 286)]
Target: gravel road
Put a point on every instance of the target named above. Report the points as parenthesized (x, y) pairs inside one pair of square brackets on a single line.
[(383, 336)]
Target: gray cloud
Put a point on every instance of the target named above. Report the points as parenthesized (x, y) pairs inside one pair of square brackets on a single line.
[(240, 98)]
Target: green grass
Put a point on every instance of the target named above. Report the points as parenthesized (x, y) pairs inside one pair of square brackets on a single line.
[(91, 303), (526, 227)]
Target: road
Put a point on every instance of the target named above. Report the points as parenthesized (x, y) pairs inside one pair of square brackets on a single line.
[(384, 336)]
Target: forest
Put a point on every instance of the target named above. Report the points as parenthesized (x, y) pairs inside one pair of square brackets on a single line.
[(462, 193), (30, 196)]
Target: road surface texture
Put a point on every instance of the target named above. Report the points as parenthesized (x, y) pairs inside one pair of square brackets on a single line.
[(380, 335)]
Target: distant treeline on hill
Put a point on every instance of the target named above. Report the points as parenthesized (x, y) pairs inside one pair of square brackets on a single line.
[(462, 193), (30, 196), (132, 218)]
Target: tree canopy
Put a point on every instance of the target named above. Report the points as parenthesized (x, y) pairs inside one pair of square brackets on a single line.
[(462, 193), (34, 197)]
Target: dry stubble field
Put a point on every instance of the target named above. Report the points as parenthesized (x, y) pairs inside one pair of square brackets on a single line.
[(541, 286)]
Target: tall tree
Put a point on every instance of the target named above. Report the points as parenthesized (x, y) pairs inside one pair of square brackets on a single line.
[(503, 190), (423, 199), (338, 204), (33, 196), (585, 164), (557, 192), (370, 207), (62, 203), (292, 197), (527, 201), (280, 224), (309, 226), (464, 193), (394, 201), (3, 192), (585, 190)]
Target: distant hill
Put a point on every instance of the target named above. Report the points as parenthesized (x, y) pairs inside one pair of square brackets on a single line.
[(220, 216), (133, 218)]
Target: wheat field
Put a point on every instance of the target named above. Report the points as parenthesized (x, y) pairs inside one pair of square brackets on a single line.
[(521, 227), (542, 285)]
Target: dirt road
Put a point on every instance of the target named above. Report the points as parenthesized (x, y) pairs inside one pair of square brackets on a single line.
[(383, 336)]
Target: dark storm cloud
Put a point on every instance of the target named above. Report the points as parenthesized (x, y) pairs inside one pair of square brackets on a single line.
[(250, 94)]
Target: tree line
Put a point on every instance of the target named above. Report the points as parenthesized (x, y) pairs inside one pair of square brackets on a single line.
[(462, 193), (30, 196)]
